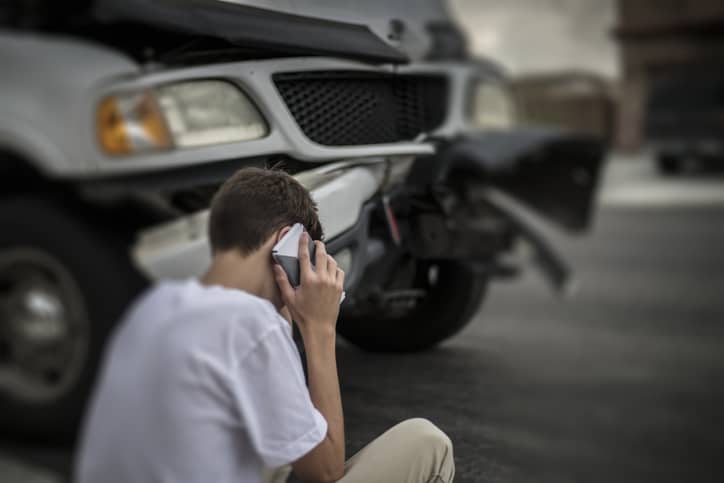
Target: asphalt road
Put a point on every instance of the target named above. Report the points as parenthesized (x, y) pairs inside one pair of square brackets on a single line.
[(622, 381)]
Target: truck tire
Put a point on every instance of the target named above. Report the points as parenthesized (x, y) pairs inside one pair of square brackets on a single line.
[(63, 285), (448, 306)]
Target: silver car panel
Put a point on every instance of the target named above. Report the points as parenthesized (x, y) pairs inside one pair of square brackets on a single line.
[(180, 248), (285, 136), (46, 108), (51, 87)]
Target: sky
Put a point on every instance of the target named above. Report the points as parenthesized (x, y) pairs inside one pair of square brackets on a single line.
[(529, 36)]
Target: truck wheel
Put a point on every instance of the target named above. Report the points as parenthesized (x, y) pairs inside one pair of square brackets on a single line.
[(669, 164), (452, 296), (62, 287)]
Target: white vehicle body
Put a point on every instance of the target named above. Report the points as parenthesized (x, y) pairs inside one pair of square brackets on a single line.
[(81, 223), (48, 110), (180, 249), (99, 195)]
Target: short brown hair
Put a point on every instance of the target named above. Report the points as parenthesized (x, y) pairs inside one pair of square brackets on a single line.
[(254, 203)]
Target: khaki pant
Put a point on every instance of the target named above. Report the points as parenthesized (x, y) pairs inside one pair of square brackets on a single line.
[(414, 451)]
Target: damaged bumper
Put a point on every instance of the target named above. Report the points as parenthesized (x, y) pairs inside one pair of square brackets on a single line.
[(180, 248), (554, 173), (509, 182)]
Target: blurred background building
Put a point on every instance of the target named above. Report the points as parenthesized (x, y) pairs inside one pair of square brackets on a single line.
[(660, 41), (610, 63), (560, 53), (542, 36), (580, 101)]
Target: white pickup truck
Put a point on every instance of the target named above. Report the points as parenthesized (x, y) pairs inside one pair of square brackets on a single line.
[(119, 116)]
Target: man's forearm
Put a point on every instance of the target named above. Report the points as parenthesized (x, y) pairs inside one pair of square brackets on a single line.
[(314, 305), (320, 349)]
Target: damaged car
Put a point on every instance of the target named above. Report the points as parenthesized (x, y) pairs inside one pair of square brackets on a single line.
[(118, 121), (435, 229)]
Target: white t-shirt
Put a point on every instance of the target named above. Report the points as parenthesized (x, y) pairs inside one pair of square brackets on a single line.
[(199, 384)]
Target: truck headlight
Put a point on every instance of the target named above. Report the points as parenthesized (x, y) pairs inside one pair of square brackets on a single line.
[(492, 106), (184, 114)]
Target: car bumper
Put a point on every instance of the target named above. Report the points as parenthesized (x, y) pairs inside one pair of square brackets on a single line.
[(180, 249)]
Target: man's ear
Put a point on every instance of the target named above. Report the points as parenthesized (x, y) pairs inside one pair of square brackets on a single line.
[(280, 233)]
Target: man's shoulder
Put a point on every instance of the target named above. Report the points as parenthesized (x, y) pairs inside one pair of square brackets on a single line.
[(175, 300), (190, 294), (201, 316), (243, 304)]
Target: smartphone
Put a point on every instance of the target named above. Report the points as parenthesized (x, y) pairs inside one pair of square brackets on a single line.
[(286, 253)]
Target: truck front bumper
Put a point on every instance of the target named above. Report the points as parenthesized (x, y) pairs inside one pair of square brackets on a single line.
[(180, 249)]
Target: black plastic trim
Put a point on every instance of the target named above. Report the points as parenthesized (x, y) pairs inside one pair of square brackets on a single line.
[(352, 108)]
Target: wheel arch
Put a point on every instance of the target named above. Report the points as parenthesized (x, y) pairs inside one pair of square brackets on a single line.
[(19, 171), (22, 176)]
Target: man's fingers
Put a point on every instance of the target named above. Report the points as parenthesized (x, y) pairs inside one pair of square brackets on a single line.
[(320, 257), (305, 265), (340, 277), (285, 287), (332, 267)]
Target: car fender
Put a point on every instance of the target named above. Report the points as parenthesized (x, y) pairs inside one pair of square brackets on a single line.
[(46, 113), (554, 172)]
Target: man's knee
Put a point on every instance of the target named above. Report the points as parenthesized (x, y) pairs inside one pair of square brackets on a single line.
[(413, 451), (424, 432), (430, 445)]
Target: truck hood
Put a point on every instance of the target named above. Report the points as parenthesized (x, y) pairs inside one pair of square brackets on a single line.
[(422, 29), (285, 27), (381, 31)]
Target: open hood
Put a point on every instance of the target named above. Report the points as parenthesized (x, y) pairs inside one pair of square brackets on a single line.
[(280, 26), (422, 29), (380, 31)]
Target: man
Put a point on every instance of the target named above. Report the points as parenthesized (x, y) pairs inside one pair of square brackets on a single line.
[(202, 382)]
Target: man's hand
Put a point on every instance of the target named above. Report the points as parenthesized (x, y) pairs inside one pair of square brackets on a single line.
[(314, 305)]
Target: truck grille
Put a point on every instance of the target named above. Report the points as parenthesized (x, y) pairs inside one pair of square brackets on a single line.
[(354, 108)]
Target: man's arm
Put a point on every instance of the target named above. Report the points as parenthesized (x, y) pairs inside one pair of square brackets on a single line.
[(324, 391), (314, 306)]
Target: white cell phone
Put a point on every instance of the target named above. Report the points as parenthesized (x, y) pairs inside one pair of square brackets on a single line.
[(286, 254)]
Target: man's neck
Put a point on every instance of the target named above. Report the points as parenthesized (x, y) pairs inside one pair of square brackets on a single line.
[(232, 270)]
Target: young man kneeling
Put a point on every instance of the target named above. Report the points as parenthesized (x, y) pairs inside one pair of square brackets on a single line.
[(202, 381)]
